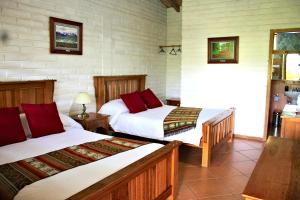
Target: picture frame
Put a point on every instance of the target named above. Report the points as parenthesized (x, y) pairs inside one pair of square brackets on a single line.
[(65, 36), (223, 50)]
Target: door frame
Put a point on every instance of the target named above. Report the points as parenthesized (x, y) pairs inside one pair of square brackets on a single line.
[(271, 51)]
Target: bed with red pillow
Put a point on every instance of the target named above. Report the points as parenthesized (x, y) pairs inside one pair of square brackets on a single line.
[(128, 115), (42, 130)]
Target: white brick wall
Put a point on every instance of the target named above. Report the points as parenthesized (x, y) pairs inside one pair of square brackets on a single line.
[(173, 62), (120, 37), (240, 85)]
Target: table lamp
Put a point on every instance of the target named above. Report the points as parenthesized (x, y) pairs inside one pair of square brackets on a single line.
[(83, 98)]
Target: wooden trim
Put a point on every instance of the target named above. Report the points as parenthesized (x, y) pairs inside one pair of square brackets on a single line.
[(285, 51), (162, 46), (144, 171), (246, 137), (267, 110), (14, 93), (285, 30), (215, 131)]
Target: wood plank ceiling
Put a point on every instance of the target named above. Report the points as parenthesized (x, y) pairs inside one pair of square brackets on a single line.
[(172, 3)]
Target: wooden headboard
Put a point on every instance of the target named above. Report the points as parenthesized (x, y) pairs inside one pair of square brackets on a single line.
[(111, 87), (16, 92)]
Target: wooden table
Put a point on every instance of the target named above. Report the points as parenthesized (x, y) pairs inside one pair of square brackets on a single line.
[(277, 173), (93, 122), (173, 101)]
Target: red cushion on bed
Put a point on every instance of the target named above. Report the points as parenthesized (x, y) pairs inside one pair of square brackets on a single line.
[(43, 119), (150, 99), (11, 129), (134, 102)]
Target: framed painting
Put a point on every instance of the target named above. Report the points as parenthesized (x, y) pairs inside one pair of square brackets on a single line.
[(223, 50), (65, 36)]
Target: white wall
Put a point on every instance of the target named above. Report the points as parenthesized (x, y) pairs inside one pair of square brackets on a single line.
[(119, 37), (240, 85), (173, 62)]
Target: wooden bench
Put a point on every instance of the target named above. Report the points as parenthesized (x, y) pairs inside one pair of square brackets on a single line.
[(276, 175)]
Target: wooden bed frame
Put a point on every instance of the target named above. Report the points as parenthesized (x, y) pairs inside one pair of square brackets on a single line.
[(215, 131), (152, 177)]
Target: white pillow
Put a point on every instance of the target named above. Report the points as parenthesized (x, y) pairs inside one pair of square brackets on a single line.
[(113, 108), (69, 122), (65, 120)]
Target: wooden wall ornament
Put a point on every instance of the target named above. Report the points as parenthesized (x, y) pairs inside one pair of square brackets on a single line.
[(223, 50), (65, 36)]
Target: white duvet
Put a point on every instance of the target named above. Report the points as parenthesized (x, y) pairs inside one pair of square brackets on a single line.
[(149, 124), (67, 183)]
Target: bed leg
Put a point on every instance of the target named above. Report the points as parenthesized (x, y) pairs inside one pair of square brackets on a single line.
[(174, 174), (231, 128), (230, 137), (206, 155)]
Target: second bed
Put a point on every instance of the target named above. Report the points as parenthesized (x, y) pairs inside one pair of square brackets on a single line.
[(214, 126)]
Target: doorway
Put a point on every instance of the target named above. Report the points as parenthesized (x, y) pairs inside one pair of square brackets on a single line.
[(283, 85)]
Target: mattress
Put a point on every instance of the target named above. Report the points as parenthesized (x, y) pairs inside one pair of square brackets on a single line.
[(74, 180)]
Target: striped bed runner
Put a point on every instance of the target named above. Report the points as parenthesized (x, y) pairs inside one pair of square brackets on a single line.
[(180, 120), (14, 176)]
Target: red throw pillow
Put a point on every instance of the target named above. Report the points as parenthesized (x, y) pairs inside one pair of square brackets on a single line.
[(43, 119), (11, 129), (150, 99), (134, 102)]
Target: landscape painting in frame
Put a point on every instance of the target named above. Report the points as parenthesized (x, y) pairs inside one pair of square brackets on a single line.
[(65, 36), (223, 50)]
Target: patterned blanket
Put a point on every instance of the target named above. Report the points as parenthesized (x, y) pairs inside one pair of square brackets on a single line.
[(14, 176), (181, 119)]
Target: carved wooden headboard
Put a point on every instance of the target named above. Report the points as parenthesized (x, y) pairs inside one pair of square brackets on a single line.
[(111, 87), (16, 92)]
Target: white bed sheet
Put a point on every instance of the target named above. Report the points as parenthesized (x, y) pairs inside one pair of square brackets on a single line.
[(67, 183), (149, 124)]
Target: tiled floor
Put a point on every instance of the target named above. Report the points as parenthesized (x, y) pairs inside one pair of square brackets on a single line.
[(227, 176)]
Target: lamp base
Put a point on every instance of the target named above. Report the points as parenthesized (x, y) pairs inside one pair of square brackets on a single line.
[(83, 116)]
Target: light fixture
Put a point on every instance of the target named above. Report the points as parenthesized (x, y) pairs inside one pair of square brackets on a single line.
[(83, 98)]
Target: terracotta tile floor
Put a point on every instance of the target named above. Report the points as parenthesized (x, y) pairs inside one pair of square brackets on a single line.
[(227, 176)]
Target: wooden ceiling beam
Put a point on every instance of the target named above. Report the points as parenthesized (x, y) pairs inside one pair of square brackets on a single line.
[(172, 3), (175, 5)]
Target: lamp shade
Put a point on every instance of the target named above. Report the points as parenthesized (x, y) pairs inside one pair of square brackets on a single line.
[(83, 98)]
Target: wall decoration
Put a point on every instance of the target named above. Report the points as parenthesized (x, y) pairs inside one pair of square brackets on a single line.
[(223, 50), (65, 36), (176, 49)]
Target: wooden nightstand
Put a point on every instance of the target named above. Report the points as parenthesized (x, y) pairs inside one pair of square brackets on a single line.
[(94, 122), (173, 101)]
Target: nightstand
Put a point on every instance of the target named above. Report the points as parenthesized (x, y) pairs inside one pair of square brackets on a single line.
[(173, 101), (94, 122)]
